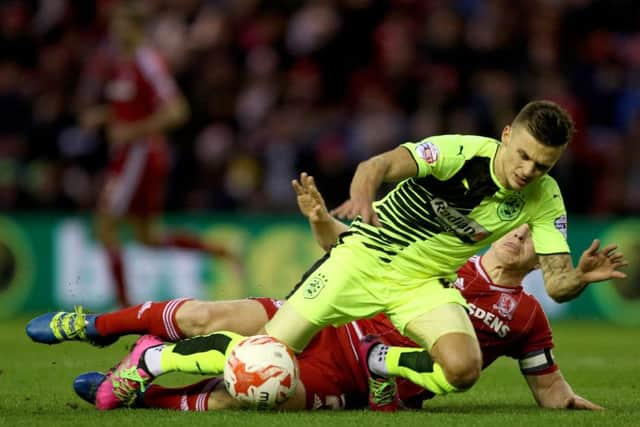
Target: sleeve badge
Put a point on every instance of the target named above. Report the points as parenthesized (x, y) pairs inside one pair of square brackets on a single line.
[(428, 151)]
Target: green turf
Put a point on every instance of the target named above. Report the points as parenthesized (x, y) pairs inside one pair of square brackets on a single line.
[(601, 362)]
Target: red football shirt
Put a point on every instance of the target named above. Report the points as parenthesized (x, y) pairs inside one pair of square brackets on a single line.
[(138, 84)]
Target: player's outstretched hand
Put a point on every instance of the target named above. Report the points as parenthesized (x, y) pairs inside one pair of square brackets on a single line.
[(577, 402), (353, 208), (597, 265), (310, 201)]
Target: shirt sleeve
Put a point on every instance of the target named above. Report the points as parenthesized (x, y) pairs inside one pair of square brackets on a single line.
[(549, 226), (437, 155), (534, 355)]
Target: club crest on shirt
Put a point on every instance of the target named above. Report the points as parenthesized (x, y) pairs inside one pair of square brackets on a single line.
[(428, 152), (510, 208), (506, 305), (314, 286), (561, 224)]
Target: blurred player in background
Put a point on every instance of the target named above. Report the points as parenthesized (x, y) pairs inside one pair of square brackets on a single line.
[(508, 322), (142, 103)]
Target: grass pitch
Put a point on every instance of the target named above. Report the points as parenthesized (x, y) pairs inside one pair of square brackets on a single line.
[(600, 361)]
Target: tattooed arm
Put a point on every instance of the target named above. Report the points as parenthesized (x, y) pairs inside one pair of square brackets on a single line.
[(561, 280), (564, 283)]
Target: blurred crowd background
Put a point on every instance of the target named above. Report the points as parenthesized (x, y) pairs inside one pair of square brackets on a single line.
[(277, 87)]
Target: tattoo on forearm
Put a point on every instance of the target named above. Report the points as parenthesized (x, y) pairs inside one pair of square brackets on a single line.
[(560, 277)]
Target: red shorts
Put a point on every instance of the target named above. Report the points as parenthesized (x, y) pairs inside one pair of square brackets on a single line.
[(136, 177), (329, 369)]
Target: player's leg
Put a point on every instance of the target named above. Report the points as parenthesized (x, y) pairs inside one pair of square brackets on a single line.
[(244, 317), (148, 204), (325, 381), (327, 294), (332, 291), (434, 317), (106, 229), (116, 200), (150, 357), (206, 395), (214, 329), (170, 320), (201, 396), (148, 231), (455, 350)]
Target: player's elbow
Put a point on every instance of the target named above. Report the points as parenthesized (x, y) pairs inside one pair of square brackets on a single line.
[(559, 298), (555, 291), (377, 165), (557, 295)]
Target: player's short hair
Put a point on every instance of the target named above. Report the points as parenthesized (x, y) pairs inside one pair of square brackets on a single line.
[(547, 122), (132, 11)]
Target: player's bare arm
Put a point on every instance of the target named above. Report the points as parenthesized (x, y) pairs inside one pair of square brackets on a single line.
[(564, 283), (169, 115), (325, 228), (553, 391), (393, 165)]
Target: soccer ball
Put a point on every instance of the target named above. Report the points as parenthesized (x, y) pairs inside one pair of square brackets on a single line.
[(261, 372)]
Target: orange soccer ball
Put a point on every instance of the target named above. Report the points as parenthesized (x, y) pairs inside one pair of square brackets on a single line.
[(261, 372)]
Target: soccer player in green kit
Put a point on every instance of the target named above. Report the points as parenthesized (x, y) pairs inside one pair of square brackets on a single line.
[(456, 194)]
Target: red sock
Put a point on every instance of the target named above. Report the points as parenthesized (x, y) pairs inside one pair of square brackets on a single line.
[(155, 318), (194, 397), (114, 255)]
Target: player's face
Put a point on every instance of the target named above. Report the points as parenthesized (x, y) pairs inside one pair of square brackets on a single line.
[(515, 249), (523, 159)]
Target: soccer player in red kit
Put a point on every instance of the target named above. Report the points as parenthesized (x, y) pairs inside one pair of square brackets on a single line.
[(142, 103), (507, 320)]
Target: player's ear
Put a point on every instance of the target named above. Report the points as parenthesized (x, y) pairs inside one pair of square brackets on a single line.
[(506, 134)]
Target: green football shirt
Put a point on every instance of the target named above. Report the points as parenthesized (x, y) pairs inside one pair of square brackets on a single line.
[(455, 206)]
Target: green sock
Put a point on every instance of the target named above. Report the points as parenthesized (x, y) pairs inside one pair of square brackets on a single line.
[(204, 355), (417, 366)]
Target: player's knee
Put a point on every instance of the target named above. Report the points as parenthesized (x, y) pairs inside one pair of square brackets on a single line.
[(201, 317), (462, 370)]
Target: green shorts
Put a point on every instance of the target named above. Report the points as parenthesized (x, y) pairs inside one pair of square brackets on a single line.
[(353, 283)]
